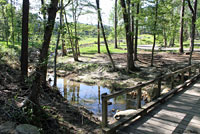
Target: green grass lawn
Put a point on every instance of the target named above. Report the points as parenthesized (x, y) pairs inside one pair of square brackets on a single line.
[(93, 49), (144, 39)]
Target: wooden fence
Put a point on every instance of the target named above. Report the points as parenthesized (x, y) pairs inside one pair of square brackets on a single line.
[(192, 72)]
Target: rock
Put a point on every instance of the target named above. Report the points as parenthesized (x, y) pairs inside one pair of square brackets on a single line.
[(26, 129), (89, 100), (124, 113), (7, 128), (166, 90)]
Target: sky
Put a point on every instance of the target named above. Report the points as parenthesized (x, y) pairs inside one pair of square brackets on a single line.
[(105, 5)]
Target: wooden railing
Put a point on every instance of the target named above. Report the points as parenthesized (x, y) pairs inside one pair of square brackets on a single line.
[(192, 73)]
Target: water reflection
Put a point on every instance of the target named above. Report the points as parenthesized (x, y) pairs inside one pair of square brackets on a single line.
[(90, 96)]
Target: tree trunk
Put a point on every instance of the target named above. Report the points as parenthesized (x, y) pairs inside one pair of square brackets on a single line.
[(55, 58), (130, 62), (70, 35), (181, 28), (6, 24), (192, 35), (132, 25), (154, 34), (56, 49), (12, 22), (104, 35), (136, 32), (64, 53), (24, 47), (116, 21), (43, 78), (41, 67), (98, 37), (165, 37), (75, 43)]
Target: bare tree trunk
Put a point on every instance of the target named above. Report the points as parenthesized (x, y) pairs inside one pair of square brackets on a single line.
[(55, 58), (6, 24), (136, 32), (70, 36), (104, 35), (130, 62), (192, 35), (64, 53), (132, 25), (165, 37), (56, 49), (181, 28), (75, 44), (24, 46), (44, 10), (12, 22), (154, 34), (98, 37), (41, 67), (116, 21)]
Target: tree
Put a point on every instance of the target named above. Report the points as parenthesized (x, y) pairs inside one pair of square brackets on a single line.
[(132, 23), (64, 53), (98, 36), (154, 32), (181, 27), (12, 22), (24, 46), (116, 21), (136, 31), (41, 67), (193, 26), (126, 16), (3, 4), (57, 43), (103, 32)]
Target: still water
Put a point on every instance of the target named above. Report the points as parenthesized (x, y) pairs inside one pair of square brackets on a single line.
[(89, 96)]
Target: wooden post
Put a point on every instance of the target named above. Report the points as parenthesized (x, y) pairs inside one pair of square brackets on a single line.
[(104, 110), (194, 70), (172, 81), (139, 94), (199, 68), (182, 77), (189, 72), (159, 88)]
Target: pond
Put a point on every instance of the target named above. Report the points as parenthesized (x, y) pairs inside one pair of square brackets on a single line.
[(89, 96)]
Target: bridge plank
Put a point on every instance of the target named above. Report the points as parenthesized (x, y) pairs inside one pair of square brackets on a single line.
[(181, 114)]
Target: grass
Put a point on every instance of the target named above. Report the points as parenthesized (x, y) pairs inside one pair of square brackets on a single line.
[(89, 40), (93, 49), (144, 39)]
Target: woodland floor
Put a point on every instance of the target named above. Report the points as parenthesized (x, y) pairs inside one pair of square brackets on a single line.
[(93, 69), (97, 69)]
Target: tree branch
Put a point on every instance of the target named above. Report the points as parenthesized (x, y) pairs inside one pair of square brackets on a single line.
[(190, 6), (59, 8)]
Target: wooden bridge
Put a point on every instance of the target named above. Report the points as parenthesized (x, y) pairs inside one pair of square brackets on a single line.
[(175, 112)]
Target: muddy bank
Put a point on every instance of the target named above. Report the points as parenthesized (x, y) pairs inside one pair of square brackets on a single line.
[(60, 116)]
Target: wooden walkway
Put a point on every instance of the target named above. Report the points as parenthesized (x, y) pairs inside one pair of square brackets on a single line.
[(179, 115)]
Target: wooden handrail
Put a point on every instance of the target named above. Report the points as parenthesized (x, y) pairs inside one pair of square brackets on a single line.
[(138, 88)]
